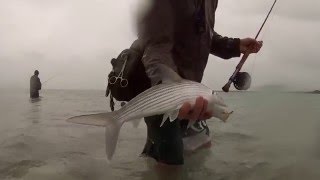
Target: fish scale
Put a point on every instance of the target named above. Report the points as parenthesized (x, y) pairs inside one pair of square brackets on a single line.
[(132, 111), (143, 99)]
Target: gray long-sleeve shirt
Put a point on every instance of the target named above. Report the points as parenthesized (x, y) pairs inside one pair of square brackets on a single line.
[(169, 34)]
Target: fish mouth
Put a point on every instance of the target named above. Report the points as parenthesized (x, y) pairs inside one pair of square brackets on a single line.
[(228, 113)]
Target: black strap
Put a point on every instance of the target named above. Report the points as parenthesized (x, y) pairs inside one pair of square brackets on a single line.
[(107, 91), (111, 103), (111, 98)]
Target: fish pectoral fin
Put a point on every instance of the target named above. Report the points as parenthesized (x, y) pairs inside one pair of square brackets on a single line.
[(164, 119), (136, 122), (174, 115), (190, 123)]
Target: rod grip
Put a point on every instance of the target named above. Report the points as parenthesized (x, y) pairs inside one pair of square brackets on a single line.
[(226, 87)]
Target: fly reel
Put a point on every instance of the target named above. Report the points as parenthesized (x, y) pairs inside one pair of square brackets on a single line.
[(242, 81)]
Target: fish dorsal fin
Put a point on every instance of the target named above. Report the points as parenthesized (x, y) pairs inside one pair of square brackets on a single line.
[(168, 75)]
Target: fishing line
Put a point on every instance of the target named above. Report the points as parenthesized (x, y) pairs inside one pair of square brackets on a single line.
[(267, 29), (52, 77), (49, 79), (59, 73)]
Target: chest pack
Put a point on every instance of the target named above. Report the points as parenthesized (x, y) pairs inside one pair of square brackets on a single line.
[(127, 78)]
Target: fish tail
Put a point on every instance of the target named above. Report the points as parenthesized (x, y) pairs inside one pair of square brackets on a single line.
[(111, 121), (113, 126), (98, 119)]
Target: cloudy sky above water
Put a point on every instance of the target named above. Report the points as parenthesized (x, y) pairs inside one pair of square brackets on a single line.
[(72, 41)]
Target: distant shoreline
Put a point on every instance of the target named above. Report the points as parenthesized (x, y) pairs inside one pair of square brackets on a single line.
[(219, 91), (315, 92)]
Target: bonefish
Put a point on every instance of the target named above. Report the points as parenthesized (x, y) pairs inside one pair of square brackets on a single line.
[(165, 98)]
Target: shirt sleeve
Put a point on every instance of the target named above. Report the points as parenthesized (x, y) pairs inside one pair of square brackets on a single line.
[(155, 30), (225, 47)]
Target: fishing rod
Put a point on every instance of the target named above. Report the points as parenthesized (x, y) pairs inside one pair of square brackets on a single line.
[(242, 80), (49, 79)]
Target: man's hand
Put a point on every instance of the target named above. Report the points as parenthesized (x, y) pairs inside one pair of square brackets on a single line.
[(197, 112), (249, 45)]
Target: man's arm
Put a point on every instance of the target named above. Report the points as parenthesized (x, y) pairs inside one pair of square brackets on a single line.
[(39, 84), (156, 34), (225, 47)]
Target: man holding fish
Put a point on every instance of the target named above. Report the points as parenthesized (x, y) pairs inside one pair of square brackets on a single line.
[(176, 37), (180, 35)]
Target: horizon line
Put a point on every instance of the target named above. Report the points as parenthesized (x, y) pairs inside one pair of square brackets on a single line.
[(87, 89)]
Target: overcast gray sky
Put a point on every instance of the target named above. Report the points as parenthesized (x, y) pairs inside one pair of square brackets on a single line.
[(74, 40)]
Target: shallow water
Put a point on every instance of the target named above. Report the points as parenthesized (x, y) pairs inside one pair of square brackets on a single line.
[(270, 136)]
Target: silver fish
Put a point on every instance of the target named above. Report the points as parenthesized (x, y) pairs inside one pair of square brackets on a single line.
[(166, 98)]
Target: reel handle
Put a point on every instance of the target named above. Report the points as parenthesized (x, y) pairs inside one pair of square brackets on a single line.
[(226, 87)]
